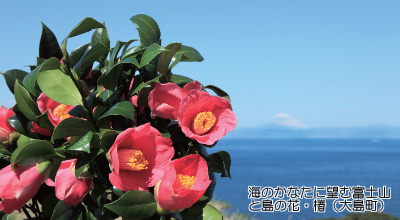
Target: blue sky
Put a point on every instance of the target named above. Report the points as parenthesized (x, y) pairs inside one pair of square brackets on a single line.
[(297, 63)]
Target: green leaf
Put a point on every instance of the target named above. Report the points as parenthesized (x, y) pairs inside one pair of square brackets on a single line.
[(71, 127), (107, 138), (17, 123), (114, 52), (49, 46), (211, 213), (82, 166), (95, 53), (63, 211), (220, 162), (132, 52), (138, 204), (23, 140), (26, 105), (150, 53), (83, 144), (84, 26), (186, 54), (44, 122), (13, 75), (101, 36), (77, 54), (195, 212), (219, 91), (124, 108), (59, 87), (166, 56), (30, 149), (110, 79), (148, 29), (178, 79), (30, 80)]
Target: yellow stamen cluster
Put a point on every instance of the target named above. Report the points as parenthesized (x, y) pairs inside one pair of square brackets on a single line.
[(61, 112), (137, 161), (186, 181), (203, 122)]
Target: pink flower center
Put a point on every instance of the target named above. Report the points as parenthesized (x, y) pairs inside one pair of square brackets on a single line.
[(186, 181), (137, 161), (203, 122), (61, 112)]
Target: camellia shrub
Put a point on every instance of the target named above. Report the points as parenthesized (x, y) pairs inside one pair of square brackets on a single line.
[(105, 132)]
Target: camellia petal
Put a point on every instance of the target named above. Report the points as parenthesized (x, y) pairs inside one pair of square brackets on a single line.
[(183, 184), (206, 118), (68, 187), (139, 157), (165, 99), (57, 111), (18, 186), (5, 128)]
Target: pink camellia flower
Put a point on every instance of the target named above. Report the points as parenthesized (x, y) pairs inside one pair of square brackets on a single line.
[(5, 127), (18, 186), (206, 118), (183, 184), (42, 131), (165, 99), (68, 187), (138, 158), (57, 111)]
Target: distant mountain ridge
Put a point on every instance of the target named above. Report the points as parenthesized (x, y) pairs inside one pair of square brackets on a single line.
[(277, 131)]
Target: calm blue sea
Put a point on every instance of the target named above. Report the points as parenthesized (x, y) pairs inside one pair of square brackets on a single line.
[(312, 162)]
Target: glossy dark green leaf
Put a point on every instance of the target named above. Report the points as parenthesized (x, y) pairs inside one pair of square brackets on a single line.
[(138, 204), (82, 166), (218, 91), (31, 149), (30, 80), (110, 79), (84, 26), (148, 29), (77, 54), (211, 213), (100, 35), (131, 60), (17, 123), (114, 52), (124, 108), (44, 122), (166, 57), (23, 140), (186, 54), (26, 105), (49, 46), (63, 211), (95, 53), (133, 51), (150, 53), (107, 138), (59, 87), (178, 79), (220, 162), (83, 144), (72, 127), (13, 75), (195, 212), (127, 44)]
